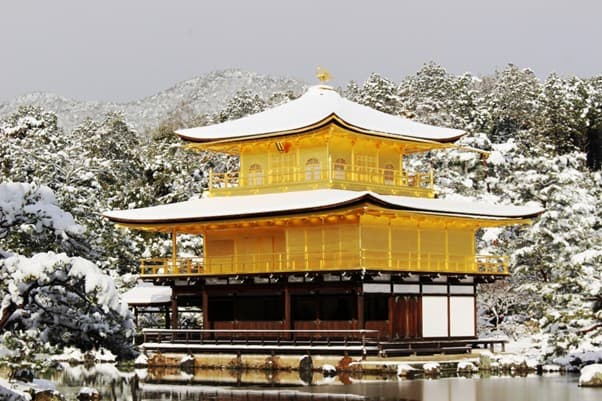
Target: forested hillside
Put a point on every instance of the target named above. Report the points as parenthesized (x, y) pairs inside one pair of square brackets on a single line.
[(545, 144)]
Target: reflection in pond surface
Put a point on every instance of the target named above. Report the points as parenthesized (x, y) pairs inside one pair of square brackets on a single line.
[(235, 385), (530, 388)]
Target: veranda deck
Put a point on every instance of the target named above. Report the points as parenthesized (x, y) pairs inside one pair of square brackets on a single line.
[(316, 342)]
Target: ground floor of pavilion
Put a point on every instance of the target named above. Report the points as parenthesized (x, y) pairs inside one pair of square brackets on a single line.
[(334, 305)]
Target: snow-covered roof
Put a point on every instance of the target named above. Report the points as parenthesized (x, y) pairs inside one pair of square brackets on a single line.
[(207, 209), (319, 106), (147, 294)]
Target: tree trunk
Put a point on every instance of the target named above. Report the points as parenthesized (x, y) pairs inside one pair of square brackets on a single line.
[(6, 314)]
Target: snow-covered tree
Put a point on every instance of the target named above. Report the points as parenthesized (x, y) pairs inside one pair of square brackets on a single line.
[(555, 263), (243, 103), (377, 92), (31, 222), (32, 147), (511, 108), (593, 115), (65, 301), (557, 260), (51, 297), (434, 96), (563, 105)]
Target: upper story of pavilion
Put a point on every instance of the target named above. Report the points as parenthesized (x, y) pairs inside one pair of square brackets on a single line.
[(321, 141)]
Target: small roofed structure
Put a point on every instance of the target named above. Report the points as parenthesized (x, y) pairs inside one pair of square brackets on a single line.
[(147, 298)]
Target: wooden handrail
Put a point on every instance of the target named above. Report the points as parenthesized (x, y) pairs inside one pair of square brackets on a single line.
[(187, 335), (336, 172), (282, 262)]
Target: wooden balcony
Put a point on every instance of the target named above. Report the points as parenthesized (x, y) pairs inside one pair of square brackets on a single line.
[(340, 176), (171, 267), (324, 262)]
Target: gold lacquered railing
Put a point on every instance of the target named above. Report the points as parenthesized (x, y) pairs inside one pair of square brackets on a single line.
[(166, 266), (341, 175), (492, 264), (291, 262), (381, 176)]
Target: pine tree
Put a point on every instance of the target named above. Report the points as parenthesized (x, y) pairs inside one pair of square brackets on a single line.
[(512, 109), (243, 103), (434, 96), (380, 94), (593, 115), (562, 106)]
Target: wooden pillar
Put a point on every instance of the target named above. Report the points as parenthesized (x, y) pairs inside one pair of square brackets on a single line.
[(174, 251), (446, 251), (174, 312), (205, 308), (401, 170), (392, 311), (389, 243), (360, 309), (288, 324), (419, 249), (353, 167), (167, 317)]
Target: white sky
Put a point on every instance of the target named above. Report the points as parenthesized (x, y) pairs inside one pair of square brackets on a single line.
[(123, 50)]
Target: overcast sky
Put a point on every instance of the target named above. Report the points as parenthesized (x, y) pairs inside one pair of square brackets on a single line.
[(122, 50)]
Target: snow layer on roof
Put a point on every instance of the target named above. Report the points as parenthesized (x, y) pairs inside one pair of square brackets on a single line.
[(145, 294), (317, 105), (279, 203)]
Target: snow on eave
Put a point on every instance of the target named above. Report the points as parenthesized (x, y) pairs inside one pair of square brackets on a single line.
[(280, 204), (320, 105), (334, 119), (147, 295)]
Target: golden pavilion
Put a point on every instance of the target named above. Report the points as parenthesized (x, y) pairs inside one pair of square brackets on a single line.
[(324, 228)]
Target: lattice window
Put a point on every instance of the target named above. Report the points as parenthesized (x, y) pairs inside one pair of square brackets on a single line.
[(255, 174), (340, 167), (312, 169), (365, 167), (389, 174)]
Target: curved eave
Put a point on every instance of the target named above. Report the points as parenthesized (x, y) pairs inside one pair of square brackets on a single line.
[(332, 118), (225, 217), (346, 204)]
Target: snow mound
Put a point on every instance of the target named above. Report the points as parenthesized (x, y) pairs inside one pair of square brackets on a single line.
[(8, 394), (328, 370), (403, 369), (141, 360), (550, 368), (466, 367), (591, 376), (431, 368)]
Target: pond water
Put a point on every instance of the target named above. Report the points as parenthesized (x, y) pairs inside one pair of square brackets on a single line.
[(230, 385)]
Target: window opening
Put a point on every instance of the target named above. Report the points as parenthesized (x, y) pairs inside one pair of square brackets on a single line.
[(339, 169), (255, 174), (312, 169)]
